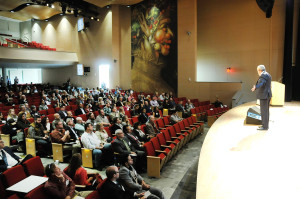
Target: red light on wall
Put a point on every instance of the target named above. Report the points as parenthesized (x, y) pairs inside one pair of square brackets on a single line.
[(228, 70)]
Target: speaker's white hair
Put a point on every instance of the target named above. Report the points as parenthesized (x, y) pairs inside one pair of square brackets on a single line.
[(261, 68)]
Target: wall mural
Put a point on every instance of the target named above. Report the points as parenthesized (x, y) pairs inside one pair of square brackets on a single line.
[(154, 46)]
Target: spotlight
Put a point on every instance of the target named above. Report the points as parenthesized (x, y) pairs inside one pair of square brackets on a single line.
[(107, 6), (47, 4), (128, 6), (52, 6), (12, 11), (98, 19), (46, 20), (27, 4), (61, 14), (92, 17)]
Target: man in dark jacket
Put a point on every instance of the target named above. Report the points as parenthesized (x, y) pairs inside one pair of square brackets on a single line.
[(10, 128), (264, 94)]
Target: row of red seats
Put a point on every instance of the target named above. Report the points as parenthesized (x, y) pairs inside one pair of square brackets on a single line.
[(15, 174)]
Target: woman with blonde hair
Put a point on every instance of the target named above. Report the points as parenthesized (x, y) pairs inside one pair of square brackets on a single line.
[(103, 136), (12, 115)]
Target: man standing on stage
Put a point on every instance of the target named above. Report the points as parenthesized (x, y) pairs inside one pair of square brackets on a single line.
[(264, 94)]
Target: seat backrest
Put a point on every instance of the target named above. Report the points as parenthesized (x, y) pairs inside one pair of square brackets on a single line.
[(149, 149), (37, 193), (94, 195), (50, 111), (161, 138), (14, 196), (128, 114), (34, 166), (2, 187), (172, 131), (166, 134), (181, 125), (160, 123), (155, 143), (186, 123), (177, 128), (166, 120), (193, 110), (100, 184), (135, 119), (107, 129), (68, 108), (57, 109), (51, 117), (83, 116), (43, 112), (14, 175)]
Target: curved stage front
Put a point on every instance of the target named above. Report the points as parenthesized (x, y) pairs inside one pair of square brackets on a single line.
[(239, 162)]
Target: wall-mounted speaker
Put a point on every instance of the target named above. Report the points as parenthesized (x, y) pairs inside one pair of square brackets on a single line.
[(266, 6), (87, 69)]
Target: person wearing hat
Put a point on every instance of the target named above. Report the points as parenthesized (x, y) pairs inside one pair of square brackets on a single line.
[(10, 128)]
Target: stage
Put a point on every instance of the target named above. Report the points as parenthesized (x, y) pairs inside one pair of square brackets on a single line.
[(239, 162)]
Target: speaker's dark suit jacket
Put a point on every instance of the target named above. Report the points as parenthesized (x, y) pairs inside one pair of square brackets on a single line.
[(263, 86), (3, 166)]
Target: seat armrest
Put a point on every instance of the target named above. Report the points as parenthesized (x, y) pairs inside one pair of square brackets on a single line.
[(159, 151)]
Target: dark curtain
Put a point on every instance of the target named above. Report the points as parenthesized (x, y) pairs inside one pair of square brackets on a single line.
[(288, 50), (296, 69)]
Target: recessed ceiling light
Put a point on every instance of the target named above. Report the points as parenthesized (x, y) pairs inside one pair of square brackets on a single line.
[(92, 17), (98, 19), (27, 4), (107, 6), (12, 11), (52, 6), (47, 4), (128, 6), (61, 14), (46, 20)]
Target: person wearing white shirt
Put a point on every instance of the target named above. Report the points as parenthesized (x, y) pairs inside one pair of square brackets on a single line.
[(90, 141)]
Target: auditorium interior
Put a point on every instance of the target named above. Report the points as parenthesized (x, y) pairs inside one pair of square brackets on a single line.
[(177, 73)]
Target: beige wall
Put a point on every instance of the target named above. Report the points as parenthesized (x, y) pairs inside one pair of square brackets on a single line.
[(227, 33), (99, 44)]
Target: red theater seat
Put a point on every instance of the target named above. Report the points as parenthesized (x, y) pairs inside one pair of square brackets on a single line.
[(14, 175), (34, 166)]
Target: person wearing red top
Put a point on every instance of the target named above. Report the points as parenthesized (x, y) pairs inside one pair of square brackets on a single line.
[(79, 175)]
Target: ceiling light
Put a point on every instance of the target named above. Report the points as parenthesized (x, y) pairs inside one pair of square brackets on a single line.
[(92, 17), (12, 11), (98, 19), (46, 20), (47, 4), (52, 6), (27, 4), (128, 6), (107, 6), (61, 14)]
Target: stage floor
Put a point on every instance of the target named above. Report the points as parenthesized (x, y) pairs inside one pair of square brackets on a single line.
[(239, 162)]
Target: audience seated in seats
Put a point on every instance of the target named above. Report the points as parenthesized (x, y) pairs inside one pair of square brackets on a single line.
[(88, 108), (133, 182), (62, 112), (41, 136), (43, 106), (90, 141), (180, 108), (172, 104), (147, 107), (11, 115), (218, 103), (91, 119), (61, 136), (126, 121), (175, 118), (137, 131), (120, 102), (2, 120), (162, 97), (154, 102), (112, 189), (64, 102), (116, 125), (143, 117), (103, 136), (188, 106), (121, 113), (96, 106), (22, 122), (80, 110), (107, 108), (23, 100), (166, 104), (113, 114), (151, 129), (7, 100), (100, 101), (101, 118), (74, 137), (8, 159), (47, 125), (136, 110), (70, 115), (59, 185), (24, 109), (79, 126), (57, 118), (79, 175), (123, 146), (34, 112), (134, 140), (156, 113), (10, 128), (127, 106)]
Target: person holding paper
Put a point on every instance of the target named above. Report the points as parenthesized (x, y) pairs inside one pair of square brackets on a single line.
[(132, 181)]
